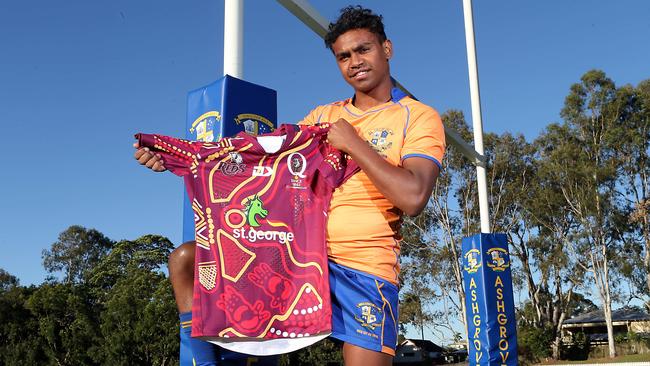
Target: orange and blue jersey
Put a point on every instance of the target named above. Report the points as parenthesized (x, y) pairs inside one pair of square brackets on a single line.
[(363, 226)]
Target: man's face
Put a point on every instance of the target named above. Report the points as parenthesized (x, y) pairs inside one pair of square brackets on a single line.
[(362, 59)]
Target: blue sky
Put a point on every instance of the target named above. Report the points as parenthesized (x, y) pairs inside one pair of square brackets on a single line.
[(79, 78)]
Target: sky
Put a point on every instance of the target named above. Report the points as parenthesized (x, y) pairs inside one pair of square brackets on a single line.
[(79, 78)]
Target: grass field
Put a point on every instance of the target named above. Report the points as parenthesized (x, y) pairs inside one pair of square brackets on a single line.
[(628, 358)]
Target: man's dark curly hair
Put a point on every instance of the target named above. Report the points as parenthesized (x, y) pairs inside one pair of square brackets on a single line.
[(355, 17)]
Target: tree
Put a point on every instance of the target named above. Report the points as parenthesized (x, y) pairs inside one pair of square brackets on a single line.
[(634, 181), (76, 252), (7, 280), (586, 164), (66, 323), (148, 252), (548, 211), (139, 320), (18, 328), (416, 297)]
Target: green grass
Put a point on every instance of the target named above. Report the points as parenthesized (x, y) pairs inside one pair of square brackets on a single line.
[(627, 358)]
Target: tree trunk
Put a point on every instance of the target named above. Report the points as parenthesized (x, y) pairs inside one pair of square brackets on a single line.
[(610, 332), (601, 276), (646, 236)]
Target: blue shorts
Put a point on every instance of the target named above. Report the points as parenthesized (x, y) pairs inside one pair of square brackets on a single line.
[(364, 309)]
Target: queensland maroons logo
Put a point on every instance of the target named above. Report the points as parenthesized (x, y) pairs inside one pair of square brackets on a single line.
[(297, 164)]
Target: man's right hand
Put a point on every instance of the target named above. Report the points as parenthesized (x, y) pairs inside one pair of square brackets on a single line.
[(145, 157)]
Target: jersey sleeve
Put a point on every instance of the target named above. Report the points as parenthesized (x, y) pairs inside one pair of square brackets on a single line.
[(424, 136), (336, 166), (177, 154), (310, 119)]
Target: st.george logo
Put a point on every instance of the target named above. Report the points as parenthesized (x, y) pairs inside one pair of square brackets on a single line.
[(254, 208), (251, 214)]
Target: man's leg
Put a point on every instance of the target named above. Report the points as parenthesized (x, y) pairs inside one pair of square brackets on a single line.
[(364, 316), (357, 356), (181, 275)]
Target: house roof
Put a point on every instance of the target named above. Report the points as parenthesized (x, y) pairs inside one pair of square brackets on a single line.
[(598, 316), (423, 344)]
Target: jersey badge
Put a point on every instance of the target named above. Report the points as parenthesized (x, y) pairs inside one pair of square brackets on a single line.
[(297, 164), (234, 166), (380, 139)]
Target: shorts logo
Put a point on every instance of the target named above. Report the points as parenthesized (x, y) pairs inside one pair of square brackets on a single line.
[(297, 164), (498, 259), (234, 166), (369, 315)]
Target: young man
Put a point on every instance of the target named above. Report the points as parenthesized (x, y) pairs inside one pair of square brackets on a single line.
[(398, 143)]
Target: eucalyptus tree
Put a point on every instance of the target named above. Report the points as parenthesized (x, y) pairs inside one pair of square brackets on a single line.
[(551, 249), (76, 252), (586, 163), (634, 182)]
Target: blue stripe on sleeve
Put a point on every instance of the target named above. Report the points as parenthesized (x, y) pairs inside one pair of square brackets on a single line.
[(423, 156)]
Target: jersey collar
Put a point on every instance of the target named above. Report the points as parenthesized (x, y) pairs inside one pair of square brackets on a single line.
[(284, 130), (396, 95)]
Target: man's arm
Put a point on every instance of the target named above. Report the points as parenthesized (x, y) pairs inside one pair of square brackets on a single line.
[(407, 187)]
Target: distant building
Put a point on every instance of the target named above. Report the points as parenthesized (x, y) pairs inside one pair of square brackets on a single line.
[(592, 324), (413, 352)]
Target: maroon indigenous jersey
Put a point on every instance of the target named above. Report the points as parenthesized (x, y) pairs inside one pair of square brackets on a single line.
[(260, 206)]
